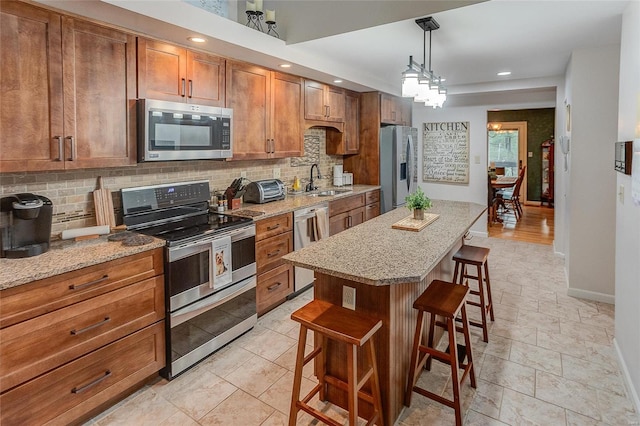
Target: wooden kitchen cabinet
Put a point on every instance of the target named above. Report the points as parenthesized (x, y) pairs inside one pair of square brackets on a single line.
[(68, 92), (347, 142), (394, 110), (267, 112), (274, 239), (372, 204), (323, 102), (81, 339), (173, 73)]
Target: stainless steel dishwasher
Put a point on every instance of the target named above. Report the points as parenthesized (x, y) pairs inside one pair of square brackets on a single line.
[(304, 235)]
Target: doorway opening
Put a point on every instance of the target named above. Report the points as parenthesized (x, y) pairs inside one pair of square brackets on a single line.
[(507, 149)]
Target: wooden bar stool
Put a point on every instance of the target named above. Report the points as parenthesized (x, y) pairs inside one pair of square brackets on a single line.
[(354, 330), (446, 300), (475, 256)]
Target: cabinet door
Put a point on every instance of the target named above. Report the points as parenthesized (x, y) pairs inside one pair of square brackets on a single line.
[(269, 252), (99, 95), (31, 88), (162, 70), (338, 223), (205, 79), (358, 216), (387, 110), (406, 111), (273, 287), (249, 95), (371, 211), (334, 98), (287, 131), (352, 124), (314, 104)]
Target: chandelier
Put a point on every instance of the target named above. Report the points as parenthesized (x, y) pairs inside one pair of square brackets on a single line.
[(421, 83)]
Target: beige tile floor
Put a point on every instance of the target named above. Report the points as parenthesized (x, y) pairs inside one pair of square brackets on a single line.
[(549, 361)]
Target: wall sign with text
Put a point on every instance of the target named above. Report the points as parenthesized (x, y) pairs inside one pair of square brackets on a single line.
[(445, 152)]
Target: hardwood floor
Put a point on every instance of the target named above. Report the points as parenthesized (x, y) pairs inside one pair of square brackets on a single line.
[(535, 226)]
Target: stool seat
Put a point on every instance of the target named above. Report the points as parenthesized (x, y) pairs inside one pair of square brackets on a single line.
[(441, 298), (472, 255), (476, 257), (447, 300), (337, 323), (352, 329)]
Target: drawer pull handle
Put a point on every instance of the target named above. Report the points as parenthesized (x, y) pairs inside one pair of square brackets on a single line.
[(90, 283), (271, 228), (81, 389), (91, 327), (274, 286), (273, 253)]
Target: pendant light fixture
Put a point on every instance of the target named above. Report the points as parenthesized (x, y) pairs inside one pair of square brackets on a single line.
[(419, 82)]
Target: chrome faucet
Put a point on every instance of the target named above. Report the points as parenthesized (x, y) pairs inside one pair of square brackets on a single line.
[(310, 186)]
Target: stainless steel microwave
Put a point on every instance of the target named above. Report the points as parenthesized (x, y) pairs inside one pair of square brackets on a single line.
[(169, 131)]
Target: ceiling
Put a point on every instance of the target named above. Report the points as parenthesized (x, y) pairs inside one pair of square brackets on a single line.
[(367, 43)]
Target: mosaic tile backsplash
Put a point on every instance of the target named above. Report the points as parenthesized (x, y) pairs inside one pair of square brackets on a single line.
[(72, 191)]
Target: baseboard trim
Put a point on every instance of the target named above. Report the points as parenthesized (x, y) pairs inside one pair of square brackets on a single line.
[(591, 295), (555, 250), (633, 393)]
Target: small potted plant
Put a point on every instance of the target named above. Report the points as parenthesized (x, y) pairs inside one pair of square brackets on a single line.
[(418, 202)]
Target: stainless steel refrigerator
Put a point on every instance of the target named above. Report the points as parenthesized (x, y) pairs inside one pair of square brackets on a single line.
[(398, 165)]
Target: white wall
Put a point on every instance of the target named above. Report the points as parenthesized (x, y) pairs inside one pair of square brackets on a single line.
[(476, 190), (593, 96), (627, 259)]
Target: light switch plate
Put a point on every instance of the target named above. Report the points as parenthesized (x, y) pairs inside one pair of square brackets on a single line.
[(476, 159), (276, 173), (621, 194), (243, 174), (530, 154)]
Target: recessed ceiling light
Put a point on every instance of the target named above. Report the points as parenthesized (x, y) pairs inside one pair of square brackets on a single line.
[(501, 73), (285, 65), (196, 39), (337, 80)]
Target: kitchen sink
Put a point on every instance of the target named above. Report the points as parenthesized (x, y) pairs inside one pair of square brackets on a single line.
[(329, 192)]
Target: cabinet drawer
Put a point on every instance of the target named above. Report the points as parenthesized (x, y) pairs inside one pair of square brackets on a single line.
[(372, 197), (345, 204), (39, 297), (33, 347), (371, 211), (273, 287), (69, 392), (275, 225), (270, 251)]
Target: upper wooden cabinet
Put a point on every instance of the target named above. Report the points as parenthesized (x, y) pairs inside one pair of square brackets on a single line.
[(267, 112), (68, 92), (323, 102), (347, 142), (173, 73), (394, 110)]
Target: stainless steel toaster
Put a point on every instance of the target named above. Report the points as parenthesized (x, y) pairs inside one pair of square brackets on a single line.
[(264, 191)]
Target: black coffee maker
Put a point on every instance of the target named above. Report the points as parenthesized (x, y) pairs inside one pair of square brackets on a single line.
[(26, 225)]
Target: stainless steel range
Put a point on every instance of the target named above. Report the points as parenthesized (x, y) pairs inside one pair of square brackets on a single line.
[(210, 268)]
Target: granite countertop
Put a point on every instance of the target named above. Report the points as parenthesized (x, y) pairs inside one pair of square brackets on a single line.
[(65, 256), (376, 254), (295, 202)]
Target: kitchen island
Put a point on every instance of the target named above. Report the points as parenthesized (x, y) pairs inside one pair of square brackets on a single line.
[(388, 268)]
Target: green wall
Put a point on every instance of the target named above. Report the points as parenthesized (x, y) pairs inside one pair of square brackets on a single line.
[(540, 127)]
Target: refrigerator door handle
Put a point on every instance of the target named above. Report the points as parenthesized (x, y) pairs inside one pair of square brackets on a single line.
[(409, 163)]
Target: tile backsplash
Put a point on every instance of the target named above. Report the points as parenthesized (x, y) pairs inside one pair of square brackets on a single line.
[(72, 191)]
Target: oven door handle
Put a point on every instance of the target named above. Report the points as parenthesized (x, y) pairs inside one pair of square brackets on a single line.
[(217, 299)]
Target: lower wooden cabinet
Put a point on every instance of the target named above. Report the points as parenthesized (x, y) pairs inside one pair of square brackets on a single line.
[(274, 239), (67, 393), (274, 286), (72, 343), (347, 212)]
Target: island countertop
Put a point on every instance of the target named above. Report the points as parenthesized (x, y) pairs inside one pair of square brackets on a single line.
[(374, 253)]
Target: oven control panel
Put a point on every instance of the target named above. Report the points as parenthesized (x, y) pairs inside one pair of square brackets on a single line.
[(145, 198)]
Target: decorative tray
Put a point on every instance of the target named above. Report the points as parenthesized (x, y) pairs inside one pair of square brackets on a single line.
[(411, 224)]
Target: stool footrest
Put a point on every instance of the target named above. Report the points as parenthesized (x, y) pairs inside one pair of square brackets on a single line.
[(334, 381), (433, 396), (312, 355), (317, 414)]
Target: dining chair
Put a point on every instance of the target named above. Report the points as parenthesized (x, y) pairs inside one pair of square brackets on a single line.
[(511, 197)]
